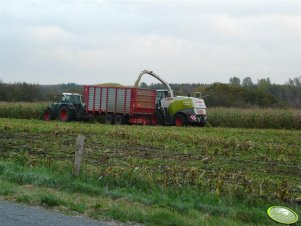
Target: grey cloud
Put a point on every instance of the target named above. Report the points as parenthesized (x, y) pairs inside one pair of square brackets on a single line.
[(186, 41)]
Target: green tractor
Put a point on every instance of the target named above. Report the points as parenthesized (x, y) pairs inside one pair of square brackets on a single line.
[(67, 107)]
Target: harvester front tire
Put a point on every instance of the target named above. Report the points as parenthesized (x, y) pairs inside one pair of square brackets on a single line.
[(180, 120), (157, 118), (65, 114)]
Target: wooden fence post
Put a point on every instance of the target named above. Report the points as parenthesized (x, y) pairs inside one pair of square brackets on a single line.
[(79, 152)]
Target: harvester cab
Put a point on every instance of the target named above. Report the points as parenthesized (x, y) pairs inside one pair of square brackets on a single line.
[(161, 94), (177, 110)]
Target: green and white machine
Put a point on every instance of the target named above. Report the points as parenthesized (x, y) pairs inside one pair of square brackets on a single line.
[(67, 107), (179, 110)]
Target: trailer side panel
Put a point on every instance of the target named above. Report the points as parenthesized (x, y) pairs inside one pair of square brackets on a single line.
[(120, 100)]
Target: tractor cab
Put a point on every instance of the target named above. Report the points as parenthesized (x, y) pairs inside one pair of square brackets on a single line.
[(72, 98)]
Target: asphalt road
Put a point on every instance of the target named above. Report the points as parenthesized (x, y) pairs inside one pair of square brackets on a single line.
[(12, 214)]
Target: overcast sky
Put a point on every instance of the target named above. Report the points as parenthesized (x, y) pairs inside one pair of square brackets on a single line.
[(98, 41)]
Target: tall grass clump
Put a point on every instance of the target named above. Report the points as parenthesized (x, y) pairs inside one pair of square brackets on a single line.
[(255, 118), (22, 110)]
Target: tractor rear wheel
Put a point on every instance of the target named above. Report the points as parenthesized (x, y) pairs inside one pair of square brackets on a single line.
[(119, 120), (47, 116), (65, 114), (109, 119), (180, 120)]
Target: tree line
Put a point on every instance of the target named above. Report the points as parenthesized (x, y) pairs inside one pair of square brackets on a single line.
[(245, 93), (14, 92), (235, 93)]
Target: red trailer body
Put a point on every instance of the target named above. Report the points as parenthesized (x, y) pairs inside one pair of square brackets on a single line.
[(136, 104)]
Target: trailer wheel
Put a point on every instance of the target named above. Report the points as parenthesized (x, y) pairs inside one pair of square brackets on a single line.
[(47, 116), (109, 119), (180, 120), (64, 114), (119, 120)]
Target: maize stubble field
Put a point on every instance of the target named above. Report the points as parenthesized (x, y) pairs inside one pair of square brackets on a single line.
[(154, 175)]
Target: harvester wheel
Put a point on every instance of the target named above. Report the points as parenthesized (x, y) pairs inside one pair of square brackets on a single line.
[(180, 120), (47, 116), (157, 118), (64, 114), (109, 119), (119, 120)]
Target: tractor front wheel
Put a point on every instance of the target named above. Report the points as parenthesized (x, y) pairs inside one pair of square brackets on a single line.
[(65, 114), (47, 116), (180, 120)]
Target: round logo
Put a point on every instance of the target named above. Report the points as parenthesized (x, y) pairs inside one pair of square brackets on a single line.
[(282, 215)]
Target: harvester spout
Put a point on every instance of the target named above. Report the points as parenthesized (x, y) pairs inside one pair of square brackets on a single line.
[(155, 76)]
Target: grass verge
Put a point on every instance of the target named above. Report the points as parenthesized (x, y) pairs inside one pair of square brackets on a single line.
[(158, 206)]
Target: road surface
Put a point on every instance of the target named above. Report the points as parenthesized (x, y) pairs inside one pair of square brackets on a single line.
[(12, 214)]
